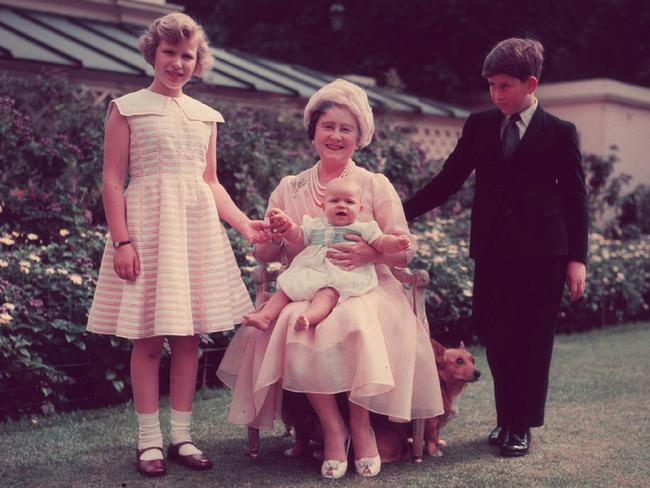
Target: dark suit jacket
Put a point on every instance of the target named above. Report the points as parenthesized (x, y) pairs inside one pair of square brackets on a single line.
[(533, 204)]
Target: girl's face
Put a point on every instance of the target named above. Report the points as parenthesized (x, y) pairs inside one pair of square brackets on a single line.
[(336, 135), (173, 66)]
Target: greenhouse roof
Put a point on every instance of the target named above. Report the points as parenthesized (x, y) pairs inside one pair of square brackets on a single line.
[(75, 43)]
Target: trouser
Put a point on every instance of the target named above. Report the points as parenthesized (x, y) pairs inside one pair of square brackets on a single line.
[(516, 303)]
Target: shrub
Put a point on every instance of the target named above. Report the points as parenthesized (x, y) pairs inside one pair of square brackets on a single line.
[(45, 352), (634, 218), (618, 285)]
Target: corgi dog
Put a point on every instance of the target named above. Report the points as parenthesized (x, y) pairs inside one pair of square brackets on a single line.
[(455, 370)]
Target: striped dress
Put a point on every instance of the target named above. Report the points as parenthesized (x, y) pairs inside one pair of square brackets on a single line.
[(189, 281)]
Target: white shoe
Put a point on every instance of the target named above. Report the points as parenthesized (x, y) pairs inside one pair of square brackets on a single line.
[(333, 468), (368, 467)]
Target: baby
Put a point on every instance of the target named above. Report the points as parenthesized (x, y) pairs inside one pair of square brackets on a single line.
[(311, 276)]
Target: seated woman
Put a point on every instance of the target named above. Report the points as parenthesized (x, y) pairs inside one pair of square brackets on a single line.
[(311, 276), (370, 346)]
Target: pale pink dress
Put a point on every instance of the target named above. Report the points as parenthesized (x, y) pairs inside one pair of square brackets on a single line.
[(371, 345), (189, 281)]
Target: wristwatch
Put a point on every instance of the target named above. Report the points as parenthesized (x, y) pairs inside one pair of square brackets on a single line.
[(117, 244)]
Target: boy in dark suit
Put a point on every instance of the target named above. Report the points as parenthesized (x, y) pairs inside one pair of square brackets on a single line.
[(528, 234)]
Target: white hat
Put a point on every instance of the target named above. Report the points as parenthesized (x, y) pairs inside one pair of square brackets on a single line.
[(351, 96)]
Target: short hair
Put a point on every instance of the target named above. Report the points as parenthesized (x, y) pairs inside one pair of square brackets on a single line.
[(516, 57), (173, 28), (344, 94)]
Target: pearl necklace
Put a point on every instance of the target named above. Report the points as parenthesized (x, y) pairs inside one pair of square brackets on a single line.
[(318, 190)]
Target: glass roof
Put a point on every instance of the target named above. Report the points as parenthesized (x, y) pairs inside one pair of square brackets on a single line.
[(99, 46)]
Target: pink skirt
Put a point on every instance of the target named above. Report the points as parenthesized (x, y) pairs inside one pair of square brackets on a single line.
[(372, 346)]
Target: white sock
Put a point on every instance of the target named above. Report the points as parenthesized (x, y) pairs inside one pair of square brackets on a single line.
[(180, 432), (149, 435)]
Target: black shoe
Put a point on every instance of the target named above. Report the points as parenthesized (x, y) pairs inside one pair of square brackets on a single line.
[(516, 444), (497, 436)]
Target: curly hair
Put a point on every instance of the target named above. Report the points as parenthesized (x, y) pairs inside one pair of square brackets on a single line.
[(173, 28)]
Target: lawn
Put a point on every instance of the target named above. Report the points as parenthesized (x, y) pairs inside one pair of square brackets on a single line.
[(596, 435)]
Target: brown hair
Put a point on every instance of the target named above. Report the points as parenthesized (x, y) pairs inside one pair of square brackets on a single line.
[(515, 57), (173, 28)]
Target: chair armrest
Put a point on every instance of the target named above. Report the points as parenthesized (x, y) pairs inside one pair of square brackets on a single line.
[(263, 275), (415, 281)]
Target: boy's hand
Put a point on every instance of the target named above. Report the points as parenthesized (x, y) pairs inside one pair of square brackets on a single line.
[(257, 232), (126, 262), (576, 274), (404, 243)]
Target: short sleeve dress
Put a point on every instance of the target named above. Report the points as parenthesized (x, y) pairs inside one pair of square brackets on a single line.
[(371, 345), (311, 270), (189, 281)]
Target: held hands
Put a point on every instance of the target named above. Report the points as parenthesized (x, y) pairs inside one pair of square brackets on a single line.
[(576, 274), (351, 256), (256, 232), (279, 223), (126, 262)]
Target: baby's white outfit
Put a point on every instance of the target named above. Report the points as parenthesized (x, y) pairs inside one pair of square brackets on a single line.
[(311, 270)]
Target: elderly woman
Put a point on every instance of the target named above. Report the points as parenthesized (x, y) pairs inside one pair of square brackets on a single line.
[(371, 346)]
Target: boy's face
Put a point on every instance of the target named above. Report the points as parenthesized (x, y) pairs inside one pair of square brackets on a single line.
[(342, 204), (510, 94)]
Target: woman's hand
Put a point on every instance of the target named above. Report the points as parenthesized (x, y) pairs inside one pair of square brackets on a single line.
[(256, 232), (126, 262), (351, 256)]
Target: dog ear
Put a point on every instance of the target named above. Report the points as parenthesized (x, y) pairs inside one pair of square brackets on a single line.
[(439, 352), (462, 346)]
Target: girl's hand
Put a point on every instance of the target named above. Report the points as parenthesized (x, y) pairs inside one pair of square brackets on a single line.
[(126, 262), (351, 256), (256, 232)]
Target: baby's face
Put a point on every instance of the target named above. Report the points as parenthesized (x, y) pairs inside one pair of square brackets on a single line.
[(342, 205)]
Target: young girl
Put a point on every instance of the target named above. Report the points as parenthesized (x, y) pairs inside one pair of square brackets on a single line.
[(168, 268), (311, 276)]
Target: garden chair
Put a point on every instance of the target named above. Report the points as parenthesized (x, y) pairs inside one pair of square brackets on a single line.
[(414, 282)]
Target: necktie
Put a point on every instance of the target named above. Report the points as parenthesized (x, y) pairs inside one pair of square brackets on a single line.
[(510, 137)]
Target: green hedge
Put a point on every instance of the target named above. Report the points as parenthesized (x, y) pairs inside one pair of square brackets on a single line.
[(52, 236)]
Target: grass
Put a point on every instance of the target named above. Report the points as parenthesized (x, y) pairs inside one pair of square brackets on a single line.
[(596, 435)]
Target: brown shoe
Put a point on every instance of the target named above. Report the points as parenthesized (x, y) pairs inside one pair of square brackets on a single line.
[(197, 462), (153, 468)]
